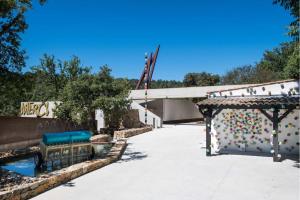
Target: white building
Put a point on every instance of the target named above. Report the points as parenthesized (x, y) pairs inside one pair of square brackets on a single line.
[(260, 118), (173, 104)]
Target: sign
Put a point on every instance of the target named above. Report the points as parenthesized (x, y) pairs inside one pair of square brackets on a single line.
[(38, 109)]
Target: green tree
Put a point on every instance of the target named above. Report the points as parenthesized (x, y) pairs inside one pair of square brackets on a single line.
[(12, 25), (291, 65), (158, 83), (72, 69), (281, 62), (14, 88), (276, 59), (48, 82), (81, 96), (201, 79), (292, 68), (10, 92), (165, 84), (248, 74), (52, 75), (293, 7), (239, 75)]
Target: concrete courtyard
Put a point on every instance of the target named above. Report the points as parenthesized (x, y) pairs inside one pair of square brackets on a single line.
[(170, 163)]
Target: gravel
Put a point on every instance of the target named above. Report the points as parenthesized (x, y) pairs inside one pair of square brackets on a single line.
[(9, 179)]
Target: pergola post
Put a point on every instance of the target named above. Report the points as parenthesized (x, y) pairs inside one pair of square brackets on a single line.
[(208, 130), (275, 135)]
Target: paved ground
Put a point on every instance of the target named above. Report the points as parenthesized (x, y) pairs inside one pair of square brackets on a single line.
[(170, 163)]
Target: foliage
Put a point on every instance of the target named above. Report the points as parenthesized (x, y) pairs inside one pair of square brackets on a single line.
[(10, 95), (52, 75), (238, 75), (165, 84), (200, 79), (14, 88), (47, 82), (81, 96), (157, 83), (293, 7), (71, 70), (248, 74), (279, 63), (292, 68), (276, 59), (113, 98), (12, 25)]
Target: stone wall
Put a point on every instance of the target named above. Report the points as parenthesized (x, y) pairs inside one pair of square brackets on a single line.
[(131, 132), (100, 138), (54, 179)]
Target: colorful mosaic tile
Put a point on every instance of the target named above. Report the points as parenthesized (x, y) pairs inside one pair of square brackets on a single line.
[(249, 130)]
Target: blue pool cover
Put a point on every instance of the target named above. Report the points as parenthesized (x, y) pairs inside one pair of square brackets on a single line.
[(66, 137)]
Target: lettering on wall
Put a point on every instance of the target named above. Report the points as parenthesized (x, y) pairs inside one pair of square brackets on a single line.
[(38, 109)]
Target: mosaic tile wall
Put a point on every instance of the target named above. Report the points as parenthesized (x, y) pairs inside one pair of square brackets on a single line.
[(249, 130)]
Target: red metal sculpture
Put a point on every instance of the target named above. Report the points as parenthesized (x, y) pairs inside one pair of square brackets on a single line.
[(148, 70)]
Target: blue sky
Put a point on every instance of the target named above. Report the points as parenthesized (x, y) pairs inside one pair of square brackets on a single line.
[(195, 35)]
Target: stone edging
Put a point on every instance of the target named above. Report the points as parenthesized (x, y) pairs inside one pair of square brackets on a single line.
[(56, 178), (131, 132)]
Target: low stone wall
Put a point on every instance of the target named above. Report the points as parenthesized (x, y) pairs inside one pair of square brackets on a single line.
[(131, 132), (100, 138), (56, 178)]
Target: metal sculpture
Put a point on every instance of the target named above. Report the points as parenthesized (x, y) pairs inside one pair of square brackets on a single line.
[(148, 70)]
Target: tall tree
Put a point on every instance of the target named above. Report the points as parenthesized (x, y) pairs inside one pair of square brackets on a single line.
[(276, 60), (72, 69), (81, 96), (239, 75), (249, 74), (201, 79), (293, 7), (292, 67), (12, 24), (48, 81), (52, 75)]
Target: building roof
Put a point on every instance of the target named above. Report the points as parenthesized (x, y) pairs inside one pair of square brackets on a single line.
[(184, 92), (256, 85), (250, 102)]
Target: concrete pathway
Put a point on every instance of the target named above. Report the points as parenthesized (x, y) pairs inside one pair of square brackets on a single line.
[(170, 163)]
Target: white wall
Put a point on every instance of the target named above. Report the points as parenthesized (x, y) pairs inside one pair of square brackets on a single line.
[(249, 130), (280, 88), (156, 106), (152, 119), (175, 93), (180, 109)]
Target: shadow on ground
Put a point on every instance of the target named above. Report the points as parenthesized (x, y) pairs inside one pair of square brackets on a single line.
[(131, 155), (69, 184), (284, 157), (294, 158)]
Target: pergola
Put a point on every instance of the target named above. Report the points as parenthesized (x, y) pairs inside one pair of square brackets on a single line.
[(212, 106)]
